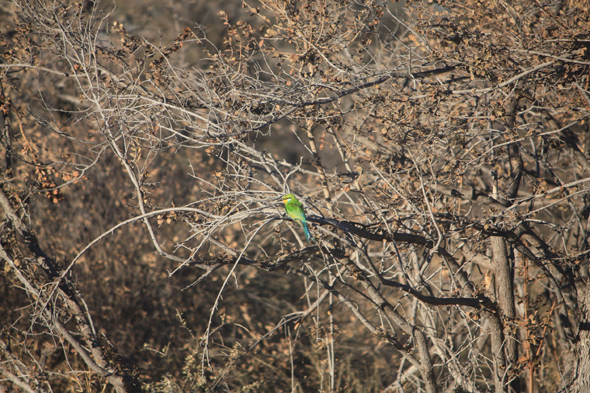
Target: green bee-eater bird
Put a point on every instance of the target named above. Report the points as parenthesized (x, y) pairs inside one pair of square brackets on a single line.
[(294, 209)]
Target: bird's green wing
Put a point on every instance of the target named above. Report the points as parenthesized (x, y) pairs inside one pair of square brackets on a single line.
[(295, 211)]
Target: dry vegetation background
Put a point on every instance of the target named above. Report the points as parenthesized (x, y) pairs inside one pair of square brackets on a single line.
[(440, 148)]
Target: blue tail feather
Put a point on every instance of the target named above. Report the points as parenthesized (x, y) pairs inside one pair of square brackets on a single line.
[(306, 231)]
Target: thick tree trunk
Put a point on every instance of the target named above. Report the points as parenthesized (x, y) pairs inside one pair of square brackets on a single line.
[(506, 300), (576, 376)]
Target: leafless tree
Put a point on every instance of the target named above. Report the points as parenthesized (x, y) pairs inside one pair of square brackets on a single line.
[(440, 150)]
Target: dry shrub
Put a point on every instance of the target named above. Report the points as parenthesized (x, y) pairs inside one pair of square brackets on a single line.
[(440, 149)]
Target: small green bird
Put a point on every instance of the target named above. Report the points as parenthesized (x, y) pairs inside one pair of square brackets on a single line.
[(294, 209)]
